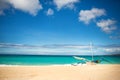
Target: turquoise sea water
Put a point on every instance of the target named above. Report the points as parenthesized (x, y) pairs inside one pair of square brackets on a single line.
[(52, 60)]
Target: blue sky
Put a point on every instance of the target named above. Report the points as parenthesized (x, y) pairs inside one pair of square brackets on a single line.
[(59, 26)]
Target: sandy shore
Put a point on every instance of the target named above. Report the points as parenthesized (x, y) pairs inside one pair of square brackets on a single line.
[(82, 72)]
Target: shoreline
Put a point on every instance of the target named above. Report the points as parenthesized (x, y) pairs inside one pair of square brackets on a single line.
[(6, 65), (51, 64), (55, 65)]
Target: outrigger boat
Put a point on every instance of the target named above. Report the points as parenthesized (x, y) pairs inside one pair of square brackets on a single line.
[(92, 61)]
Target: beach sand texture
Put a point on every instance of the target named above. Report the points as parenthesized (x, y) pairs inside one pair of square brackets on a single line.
[(82, 72)]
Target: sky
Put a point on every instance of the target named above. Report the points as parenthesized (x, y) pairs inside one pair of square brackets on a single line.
[(59, 27)]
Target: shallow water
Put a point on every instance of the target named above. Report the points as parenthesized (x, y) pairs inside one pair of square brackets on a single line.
[(52, 60)]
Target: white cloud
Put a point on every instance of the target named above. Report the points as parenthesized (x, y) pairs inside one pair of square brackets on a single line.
[(3, 6), (50, 12), (112, 50), (1, 12), (87, 15), (115, 37), (65, 3), (58, 49), (78, 46), (107, 25), (30, 6)]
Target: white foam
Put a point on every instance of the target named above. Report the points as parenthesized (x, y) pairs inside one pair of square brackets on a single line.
[(74, 64)]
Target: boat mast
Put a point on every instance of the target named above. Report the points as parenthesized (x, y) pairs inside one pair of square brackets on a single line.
[(91, 50)]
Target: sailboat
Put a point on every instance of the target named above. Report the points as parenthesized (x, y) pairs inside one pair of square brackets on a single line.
[(92, 61)]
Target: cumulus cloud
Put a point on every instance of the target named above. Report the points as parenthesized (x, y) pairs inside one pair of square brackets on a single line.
[(29, 6), (3, 6), (87, 15), (107, 25), (65, 3), (50, 12)]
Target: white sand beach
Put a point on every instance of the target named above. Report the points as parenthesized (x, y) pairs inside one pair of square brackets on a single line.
[(81, 72)]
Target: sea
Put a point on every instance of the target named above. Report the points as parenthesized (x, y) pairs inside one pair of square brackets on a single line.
[(53, 59)]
